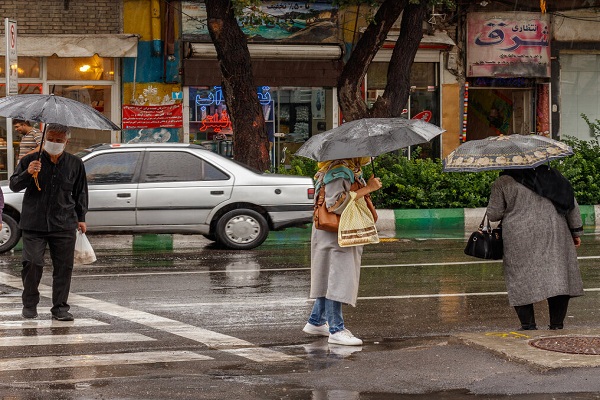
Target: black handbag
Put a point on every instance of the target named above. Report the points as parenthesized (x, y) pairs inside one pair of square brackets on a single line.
[(486, 242)]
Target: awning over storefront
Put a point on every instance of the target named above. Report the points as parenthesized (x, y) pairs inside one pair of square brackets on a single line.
[(272, 64), (429, 48), (104, 45), (273, 51), (302, 73)]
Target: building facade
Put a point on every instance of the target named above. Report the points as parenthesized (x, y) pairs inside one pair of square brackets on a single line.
[(72, 49)]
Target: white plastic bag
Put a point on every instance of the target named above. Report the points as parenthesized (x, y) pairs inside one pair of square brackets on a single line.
[(357, 225), (84, 253)]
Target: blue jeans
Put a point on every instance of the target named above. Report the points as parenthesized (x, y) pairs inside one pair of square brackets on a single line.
[(326, 310)]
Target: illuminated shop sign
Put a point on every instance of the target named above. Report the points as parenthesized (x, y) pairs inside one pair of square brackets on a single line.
[(214, 97), (216, 122)]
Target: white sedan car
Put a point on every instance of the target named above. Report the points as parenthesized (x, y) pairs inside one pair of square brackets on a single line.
[(179, 188)]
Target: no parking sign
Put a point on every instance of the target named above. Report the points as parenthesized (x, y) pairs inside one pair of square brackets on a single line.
[(12, 71)]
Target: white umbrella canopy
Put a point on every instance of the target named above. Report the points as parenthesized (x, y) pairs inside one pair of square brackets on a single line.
[(368, 137), (49, 108), (505, 152)]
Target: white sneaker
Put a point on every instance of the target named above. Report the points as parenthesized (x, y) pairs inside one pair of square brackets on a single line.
[(345, 338), (311, 329)]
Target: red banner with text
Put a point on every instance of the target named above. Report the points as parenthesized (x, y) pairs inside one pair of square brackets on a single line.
[(136, 117)]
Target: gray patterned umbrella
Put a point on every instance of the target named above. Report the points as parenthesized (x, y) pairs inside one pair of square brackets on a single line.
[(49, 108), (368, 137), (505, 152)]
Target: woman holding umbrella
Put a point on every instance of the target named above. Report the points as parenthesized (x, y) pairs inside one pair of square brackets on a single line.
[(541, 225), (335, 270)]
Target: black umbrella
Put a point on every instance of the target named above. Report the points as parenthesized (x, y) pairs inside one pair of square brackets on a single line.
[(49, 108), (52, 109), (368, 137)]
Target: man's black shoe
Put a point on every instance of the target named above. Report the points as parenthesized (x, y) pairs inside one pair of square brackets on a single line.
[(29, 312), (63, 316)]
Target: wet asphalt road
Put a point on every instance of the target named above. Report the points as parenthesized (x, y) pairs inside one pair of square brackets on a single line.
[(200, 322)]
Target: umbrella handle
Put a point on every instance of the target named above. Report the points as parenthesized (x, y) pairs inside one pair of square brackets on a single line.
[(373, 165), (42, 142)]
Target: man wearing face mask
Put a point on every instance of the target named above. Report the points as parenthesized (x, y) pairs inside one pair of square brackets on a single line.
[(54, 208)]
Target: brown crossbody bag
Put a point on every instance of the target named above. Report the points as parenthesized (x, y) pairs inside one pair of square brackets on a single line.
[(330, 222)]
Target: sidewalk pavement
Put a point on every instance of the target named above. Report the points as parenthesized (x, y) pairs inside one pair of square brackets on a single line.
[(516, 346)]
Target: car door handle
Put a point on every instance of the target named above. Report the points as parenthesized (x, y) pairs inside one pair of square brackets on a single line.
[(216, 192), (123, 194)]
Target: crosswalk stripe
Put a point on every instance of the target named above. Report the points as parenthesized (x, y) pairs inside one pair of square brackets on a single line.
[(82, 338), (37, 324), (10, 300), (91, 360), (209, 338), (12, 312)]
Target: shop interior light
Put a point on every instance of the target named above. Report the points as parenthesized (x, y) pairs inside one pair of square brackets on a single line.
[(84, 68)]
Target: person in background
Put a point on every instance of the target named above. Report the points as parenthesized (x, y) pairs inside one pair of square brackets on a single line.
[(1, 206), (54, 208), (335, 270), (31, 138), (541, 228)]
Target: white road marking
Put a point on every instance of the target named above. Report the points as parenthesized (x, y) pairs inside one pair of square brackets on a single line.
[(10, 300), (209, 338), (80, 338), (245, 271), (17, 312), (37, 324), (94, 360)]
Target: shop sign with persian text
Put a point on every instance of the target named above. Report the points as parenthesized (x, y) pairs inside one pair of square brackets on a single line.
[(141, 117), (508, 44)]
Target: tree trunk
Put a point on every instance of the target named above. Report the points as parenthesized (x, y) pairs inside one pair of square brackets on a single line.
[(350, 99), (250, 141), (397, 90)]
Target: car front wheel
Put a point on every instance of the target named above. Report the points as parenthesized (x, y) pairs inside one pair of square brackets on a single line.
[(9, 234), (242, 229)]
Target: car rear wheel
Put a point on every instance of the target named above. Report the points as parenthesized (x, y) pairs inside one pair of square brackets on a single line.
[(242, 229), (9, 234)]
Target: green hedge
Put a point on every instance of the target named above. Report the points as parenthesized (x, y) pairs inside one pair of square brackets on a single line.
[(420, 182)]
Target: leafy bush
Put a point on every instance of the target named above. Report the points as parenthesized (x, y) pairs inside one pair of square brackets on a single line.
[(582, 169), (420, 182)]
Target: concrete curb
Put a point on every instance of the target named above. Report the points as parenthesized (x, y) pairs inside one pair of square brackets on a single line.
[(399, 223), (451, 219)]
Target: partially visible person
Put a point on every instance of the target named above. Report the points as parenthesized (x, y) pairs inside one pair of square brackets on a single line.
[(541, 228), (1, 206), (51, 215), (335, 270), (31, 138)]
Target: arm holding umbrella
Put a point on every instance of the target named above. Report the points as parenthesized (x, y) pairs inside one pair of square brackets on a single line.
[(373, 184)]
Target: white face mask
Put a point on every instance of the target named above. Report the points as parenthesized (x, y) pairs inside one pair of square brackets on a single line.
[(53, 148)]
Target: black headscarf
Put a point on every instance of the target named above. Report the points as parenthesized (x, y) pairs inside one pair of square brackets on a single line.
[(547, 182)]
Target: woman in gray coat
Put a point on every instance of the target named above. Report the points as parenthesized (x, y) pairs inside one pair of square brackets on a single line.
[(541, 225), (335, 270)]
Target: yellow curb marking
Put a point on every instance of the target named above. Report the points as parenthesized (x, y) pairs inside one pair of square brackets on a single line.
[(510, 335)]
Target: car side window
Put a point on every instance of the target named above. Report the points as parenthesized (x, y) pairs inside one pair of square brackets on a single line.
[(173, 166), (118, 167)]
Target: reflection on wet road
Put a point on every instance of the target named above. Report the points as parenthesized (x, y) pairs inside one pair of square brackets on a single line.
[(208, 310)]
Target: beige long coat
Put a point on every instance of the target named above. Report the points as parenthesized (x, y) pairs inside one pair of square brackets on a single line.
[(540, 259), (335, 270)]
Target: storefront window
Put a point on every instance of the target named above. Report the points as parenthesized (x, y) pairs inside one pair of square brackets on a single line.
[(96, 96), (81, 69), (579, 77), (292, 115), (29, 67), (424, 97)]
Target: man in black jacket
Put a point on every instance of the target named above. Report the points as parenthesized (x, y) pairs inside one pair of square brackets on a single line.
[(54, 208)]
